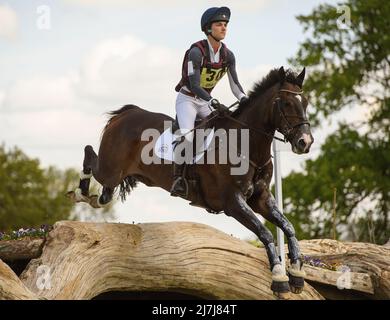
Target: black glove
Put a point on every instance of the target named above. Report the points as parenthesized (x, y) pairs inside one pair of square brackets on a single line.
[(243, 100), (222, 109)]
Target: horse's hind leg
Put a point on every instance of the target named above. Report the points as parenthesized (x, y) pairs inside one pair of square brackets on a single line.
[(103, 199), (81, 194), (90, 161)]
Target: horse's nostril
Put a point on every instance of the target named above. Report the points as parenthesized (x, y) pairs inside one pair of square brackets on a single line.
[(301, 143)]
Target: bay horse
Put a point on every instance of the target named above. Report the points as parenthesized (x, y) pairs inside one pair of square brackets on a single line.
[(275, 103)]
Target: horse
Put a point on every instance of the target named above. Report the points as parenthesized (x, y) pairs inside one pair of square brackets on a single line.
[(276, 103)]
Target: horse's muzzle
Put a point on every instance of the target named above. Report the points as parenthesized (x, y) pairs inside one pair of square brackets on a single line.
[(303, 140)]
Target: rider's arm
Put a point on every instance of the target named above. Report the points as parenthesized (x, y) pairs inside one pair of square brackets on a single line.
[(233, 79), (193, 69)]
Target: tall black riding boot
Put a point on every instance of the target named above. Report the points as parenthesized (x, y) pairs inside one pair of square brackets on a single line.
[(180, 185)]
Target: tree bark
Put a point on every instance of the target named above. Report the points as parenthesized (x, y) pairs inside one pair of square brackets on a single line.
[(82, 260), (11, 288), (21, 249), (369, 266)]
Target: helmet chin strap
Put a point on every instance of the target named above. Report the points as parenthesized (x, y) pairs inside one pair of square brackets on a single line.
[(213, 36)]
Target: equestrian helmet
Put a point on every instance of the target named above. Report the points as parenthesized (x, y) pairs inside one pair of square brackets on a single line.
[(214, 14)]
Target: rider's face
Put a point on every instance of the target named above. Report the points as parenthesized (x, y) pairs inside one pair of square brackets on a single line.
[(218, 29)]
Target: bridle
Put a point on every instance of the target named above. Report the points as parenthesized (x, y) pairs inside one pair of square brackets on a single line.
[(288, 128)]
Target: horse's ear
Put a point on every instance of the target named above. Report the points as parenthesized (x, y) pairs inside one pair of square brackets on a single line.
[(299, 79), (282, 75)]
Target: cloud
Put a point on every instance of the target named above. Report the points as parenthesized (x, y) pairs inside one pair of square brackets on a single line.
[(2, 97), (39, 93), (50, 127), (67, 111), (114, 72), (8, 22), (128, 70), (247, 5)]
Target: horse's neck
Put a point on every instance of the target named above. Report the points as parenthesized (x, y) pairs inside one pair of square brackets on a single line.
[(259, 116)]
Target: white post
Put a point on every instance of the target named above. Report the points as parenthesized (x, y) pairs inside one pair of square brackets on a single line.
[(279, 201)]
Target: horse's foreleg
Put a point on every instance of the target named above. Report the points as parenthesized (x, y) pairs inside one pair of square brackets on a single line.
[(265, 204), (240, 210)]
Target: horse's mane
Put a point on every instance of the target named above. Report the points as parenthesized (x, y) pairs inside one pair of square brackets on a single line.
[(260, 87)]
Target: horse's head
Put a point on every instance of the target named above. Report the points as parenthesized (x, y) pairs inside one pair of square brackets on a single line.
[(289, 112)]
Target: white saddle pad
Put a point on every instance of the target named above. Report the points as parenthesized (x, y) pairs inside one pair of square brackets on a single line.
[(164, 147)]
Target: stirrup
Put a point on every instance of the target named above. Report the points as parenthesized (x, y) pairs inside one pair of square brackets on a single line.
[(180, 193)]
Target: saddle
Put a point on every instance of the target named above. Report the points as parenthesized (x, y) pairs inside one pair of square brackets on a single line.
[(195, 192), (175, 124)]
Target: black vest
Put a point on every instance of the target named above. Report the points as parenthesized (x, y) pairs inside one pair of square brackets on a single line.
[(210, 73)]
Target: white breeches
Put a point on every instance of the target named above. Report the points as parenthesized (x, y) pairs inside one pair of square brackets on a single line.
[(188, 109)]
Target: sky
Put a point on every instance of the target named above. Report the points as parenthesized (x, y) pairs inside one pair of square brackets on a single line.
[(65, 63)]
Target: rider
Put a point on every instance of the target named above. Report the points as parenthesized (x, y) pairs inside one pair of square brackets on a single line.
[(204, 64)]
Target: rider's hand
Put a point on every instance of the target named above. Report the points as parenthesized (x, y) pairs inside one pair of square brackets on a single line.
[(218, 106), (243, 100), (214, 103)]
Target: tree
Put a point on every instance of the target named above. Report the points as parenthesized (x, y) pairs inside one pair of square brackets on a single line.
[(348, 163), (348, 66), (31, 196)]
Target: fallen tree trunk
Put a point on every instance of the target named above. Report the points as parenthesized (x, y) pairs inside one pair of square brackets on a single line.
[(11, 288), (83, 260), (21, 249), (366, 268)]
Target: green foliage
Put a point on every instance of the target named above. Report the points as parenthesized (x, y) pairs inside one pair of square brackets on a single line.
[(358, 169), (346, 67), (31, 196)]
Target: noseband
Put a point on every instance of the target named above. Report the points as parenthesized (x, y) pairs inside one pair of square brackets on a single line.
[(288, 128)]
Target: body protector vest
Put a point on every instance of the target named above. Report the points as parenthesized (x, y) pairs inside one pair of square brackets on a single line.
[(210, 73)]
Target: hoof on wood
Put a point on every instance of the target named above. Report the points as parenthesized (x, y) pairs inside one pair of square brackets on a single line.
[(282, 295), (281, 289), (296, 284)]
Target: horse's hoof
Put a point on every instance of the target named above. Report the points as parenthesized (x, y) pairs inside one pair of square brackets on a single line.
[(296, 290), (93, 201), (282, 295), (77, 196), (296, 284), (71, 195), (281, 289)]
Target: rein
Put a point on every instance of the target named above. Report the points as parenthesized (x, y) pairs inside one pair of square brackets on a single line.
[(278, 101)]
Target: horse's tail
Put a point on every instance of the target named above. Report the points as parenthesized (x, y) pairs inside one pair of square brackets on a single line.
[(123, 109), (128, 184), (113, 114)]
